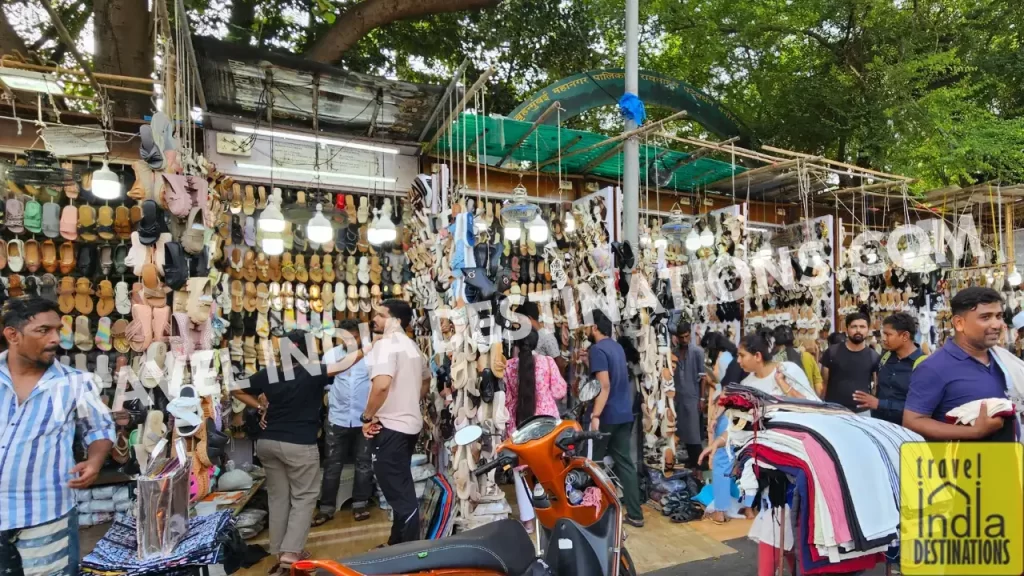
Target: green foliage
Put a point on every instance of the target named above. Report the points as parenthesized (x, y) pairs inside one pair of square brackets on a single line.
[(928, 88)]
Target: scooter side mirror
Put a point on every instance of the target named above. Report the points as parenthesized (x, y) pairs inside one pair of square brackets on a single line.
[(468, 435), (589, 390)]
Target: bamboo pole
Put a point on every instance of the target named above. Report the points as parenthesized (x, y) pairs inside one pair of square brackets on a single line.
[(597, 161), (9, 62), (837, 163), (613, 140), (742, 152), (536, 124), (459, 108)]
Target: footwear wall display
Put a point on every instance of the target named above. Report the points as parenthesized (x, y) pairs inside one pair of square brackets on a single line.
[(808, 305)]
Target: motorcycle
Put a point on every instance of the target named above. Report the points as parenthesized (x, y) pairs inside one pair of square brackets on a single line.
[(576, 539)]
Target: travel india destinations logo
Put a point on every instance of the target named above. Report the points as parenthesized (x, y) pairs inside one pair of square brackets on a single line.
[(962, 508)]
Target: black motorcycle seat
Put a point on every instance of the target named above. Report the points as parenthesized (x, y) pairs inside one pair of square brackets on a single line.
[(503, 546)]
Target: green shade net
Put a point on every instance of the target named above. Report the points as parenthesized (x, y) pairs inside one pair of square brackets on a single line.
[(492, 138)]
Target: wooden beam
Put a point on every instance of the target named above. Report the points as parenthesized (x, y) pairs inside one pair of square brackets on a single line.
[(742, 152), (836, 163), (769, 169), (447, 94), (460, 107), (620, 137), (597, 161), (536, 124)]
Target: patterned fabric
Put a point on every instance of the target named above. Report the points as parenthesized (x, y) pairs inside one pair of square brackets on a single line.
[(116, 552), (550, 387), (37, 438), (45, 550)]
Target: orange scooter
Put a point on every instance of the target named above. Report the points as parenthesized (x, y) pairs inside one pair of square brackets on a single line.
[(575, 539)]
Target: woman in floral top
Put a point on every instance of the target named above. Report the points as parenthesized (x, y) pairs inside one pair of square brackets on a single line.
[(532, 385), (536, 389)]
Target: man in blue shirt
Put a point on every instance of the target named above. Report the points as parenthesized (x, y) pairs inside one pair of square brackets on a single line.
[(613, 411), (962, 371), (901, 357), (344, 440), (42, 403)]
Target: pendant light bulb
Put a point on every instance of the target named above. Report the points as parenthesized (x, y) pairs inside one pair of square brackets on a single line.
[(660, 242), (105, 184), (319, 230), (707, 238), (272, 245), (538, 230), (513, 233), (1014, 277), (570, 222), (271, 220), (692, 241), (381, 230)]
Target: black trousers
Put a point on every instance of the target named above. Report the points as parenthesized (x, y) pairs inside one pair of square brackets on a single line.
[(343, 444), (392, 465)]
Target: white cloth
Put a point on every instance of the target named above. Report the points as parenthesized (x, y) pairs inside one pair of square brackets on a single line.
[(793, 374), (526, 512), (968, 413)]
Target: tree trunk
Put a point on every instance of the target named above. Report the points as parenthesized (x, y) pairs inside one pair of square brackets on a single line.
[(124, 46), (9, 39), (361, 19), (243, 16)]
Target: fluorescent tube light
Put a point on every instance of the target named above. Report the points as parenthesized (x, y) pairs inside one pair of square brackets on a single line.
[(315, 173), (299, 137), (30, 81)]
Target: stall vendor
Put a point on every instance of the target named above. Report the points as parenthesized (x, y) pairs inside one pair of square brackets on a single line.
[(42, 402)]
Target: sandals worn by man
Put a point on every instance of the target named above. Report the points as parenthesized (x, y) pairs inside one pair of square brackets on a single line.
[(321, 518)]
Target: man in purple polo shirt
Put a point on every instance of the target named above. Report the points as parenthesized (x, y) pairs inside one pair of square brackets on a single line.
[(962, 371)]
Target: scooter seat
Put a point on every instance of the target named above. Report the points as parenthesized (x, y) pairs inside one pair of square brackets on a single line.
[(503, 546)]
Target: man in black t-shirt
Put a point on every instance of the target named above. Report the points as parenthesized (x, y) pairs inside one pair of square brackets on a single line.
[(287, 445), (850, 366)]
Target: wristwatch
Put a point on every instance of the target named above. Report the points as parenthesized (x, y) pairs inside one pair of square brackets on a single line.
[(363, 418)]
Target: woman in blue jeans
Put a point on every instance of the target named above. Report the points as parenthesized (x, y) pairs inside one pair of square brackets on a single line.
[(726, 370)]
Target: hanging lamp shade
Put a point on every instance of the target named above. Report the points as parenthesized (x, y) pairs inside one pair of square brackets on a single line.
[(105, 184), (519, 210), (319, 230)]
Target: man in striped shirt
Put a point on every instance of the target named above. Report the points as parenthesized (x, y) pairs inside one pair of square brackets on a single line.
[(42, 402)]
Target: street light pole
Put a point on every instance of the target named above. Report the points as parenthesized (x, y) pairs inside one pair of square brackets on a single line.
[(631, 151)]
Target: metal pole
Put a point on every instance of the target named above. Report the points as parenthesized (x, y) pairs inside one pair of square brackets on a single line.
[(631, 170)]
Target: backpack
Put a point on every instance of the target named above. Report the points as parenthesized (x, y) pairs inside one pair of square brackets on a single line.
[(885, 358)]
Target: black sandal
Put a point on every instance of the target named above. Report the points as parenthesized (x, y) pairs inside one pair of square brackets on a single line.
[(321, 518), (360, 514)]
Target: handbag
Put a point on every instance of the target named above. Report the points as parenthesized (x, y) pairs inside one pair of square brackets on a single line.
[(163, 498)]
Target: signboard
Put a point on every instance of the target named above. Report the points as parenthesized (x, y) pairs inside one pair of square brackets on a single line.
[(595, 88)]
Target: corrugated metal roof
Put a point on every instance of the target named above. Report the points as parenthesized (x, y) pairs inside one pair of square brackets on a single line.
[(675, 169), (233, 82)]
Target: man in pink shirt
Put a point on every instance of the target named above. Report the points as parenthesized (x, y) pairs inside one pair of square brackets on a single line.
[(392, 419)]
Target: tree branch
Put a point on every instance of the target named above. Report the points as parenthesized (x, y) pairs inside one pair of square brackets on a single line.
[(361, 19)]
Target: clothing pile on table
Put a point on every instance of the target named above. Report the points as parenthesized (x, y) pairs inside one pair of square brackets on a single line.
[(117, 551), (842, 468), (98, 505)]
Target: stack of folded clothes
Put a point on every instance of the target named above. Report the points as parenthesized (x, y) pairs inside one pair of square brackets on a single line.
[(117, 551)]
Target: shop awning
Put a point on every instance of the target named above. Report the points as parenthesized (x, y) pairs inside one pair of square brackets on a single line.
[(496, 138)]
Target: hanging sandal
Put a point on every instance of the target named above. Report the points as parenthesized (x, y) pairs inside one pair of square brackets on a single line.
[(83, 336), (67, 332), (83, 293)]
